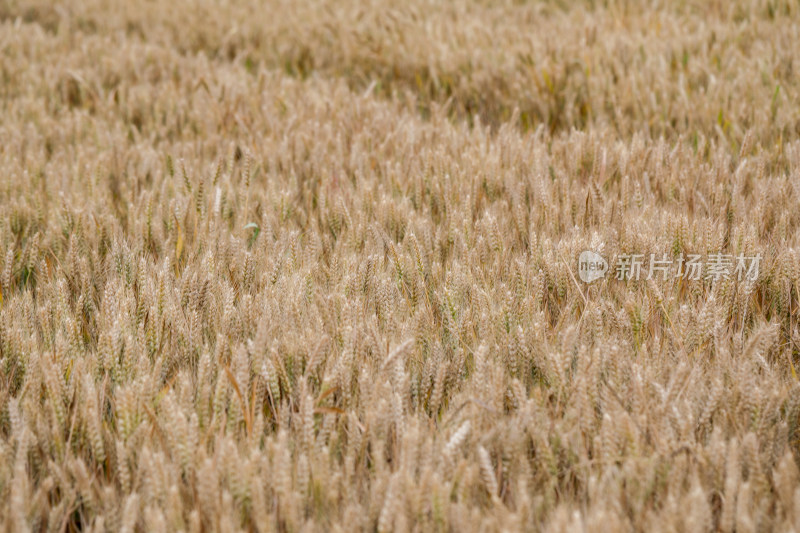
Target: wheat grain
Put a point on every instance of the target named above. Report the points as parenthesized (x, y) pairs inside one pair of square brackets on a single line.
[(285, 269)]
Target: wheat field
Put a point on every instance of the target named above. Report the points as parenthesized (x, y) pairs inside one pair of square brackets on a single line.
[(313, 265)]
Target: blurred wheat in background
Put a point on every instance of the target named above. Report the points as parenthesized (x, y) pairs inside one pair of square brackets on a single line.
[(310, 266)]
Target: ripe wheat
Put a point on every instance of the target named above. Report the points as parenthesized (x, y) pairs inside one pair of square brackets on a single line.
[(312, 266)]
